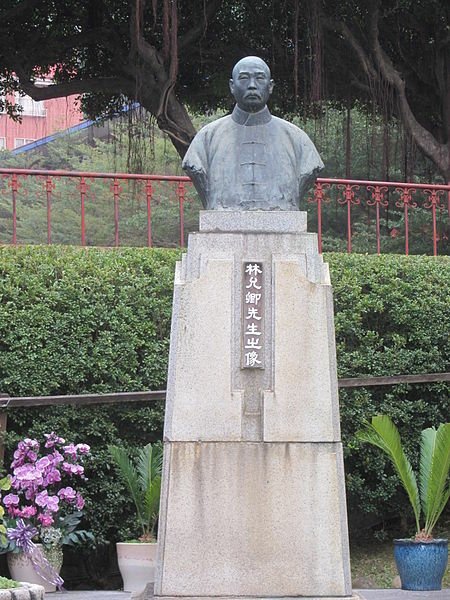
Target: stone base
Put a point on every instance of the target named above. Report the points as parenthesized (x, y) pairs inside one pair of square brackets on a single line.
[(253, 495), (28, 591), (352, 597), (253, 519)]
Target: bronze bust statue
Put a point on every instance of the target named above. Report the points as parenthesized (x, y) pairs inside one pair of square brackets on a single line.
[(251, 160)]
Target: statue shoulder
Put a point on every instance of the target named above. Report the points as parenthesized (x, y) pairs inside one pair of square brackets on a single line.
[(209, 130)]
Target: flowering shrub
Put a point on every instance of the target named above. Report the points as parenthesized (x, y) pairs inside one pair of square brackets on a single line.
[(42, 495)]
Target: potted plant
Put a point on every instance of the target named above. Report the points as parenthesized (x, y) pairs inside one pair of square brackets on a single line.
[(422, 560), (142, 478), (42, 510)]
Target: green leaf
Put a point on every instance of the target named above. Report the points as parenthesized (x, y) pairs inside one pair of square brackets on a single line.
[(382, 432), (434, 473)]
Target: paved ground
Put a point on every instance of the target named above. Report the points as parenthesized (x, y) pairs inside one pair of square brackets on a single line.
[(403, 595), (364, 595)]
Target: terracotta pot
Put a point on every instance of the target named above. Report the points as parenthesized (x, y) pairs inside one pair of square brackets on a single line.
[(137, 561), (21, 567)]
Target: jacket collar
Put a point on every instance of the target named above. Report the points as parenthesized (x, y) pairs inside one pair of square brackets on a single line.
[(249, 119)]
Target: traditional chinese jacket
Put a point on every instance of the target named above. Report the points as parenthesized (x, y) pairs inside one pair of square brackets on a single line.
[(251, 161)]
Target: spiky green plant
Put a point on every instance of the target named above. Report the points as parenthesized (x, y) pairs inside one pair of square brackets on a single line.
[(432, 493), (142, 477)]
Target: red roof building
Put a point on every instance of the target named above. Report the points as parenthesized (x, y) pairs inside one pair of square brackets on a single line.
[(39, 119)]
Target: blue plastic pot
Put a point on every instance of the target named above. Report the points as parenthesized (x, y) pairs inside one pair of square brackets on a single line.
[(421, 565)]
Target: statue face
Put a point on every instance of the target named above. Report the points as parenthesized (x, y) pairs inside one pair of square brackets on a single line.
[(251, 85)]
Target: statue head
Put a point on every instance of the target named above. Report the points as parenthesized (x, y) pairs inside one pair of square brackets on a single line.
[(251, 84)]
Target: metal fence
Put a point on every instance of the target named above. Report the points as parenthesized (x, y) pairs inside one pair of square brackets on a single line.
[(113, 209)]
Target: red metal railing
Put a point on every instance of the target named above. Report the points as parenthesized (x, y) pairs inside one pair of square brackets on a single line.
[(62, 194), (376, 194)]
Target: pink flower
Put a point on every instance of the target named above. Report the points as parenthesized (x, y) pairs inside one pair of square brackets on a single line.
[(45, 519), (79, 502), (83, 448), (27, 512), (53, 503), (11, 500)]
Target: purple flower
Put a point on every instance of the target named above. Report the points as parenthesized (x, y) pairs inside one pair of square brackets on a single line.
[(83, 448), (28, 473), (57, 457), (43, 463), (11, 500), (72, 469), (70, 451), (52, 476), (46, 501), (67, 493), (32, 456), (53, 439)]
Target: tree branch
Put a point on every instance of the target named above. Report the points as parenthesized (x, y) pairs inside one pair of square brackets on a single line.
[(439, 153), (199, 30), (112, 85), (345, 31)]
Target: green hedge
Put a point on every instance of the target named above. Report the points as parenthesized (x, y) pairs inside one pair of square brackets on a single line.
[(88, 320)]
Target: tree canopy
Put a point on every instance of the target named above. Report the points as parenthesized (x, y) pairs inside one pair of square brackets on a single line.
[(389, 57)]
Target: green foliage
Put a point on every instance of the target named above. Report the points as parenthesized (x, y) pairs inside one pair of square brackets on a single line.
[(90, 320), (392, 317), (142, 478), (381, 432), (7, 584), (154, 154), (87, 321), (434, 467), (5, 484)]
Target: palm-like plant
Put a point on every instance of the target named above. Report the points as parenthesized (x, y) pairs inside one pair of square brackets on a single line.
[(431, 494), (143, 480)]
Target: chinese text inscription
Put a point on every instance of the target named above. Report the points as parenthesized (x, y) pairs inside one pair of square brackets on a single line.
[(253, 316)]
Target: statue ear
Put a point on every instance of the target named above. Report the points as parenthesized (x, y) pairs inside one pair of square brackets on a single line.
[(271, 84), (231, 83)]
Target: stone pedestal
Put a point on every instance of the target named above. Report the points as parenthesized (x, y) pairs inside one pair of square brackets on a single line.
[(253, 499)]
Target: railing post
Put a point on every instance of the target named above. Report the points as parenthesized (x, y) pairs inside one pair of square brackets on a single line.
[(406, 202), (14, 190), (83, 188), (116, 192), (433, 203), (377, 200), (48, 188), (349, 199), (180, 191), (148, 194)]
